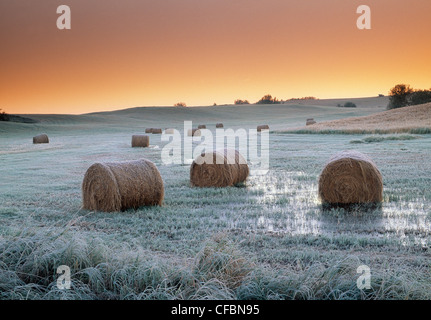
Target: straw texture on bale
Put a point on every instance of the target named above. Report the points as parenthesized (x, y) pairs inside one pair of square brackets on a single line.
[(156, 131), (169, 131), (262, 127), (41, 138), (202, 126), (350, 177), (310, 121), (119, 186), (194, 132), (222, 168), (149, 130), (219, 125), (140, 141)]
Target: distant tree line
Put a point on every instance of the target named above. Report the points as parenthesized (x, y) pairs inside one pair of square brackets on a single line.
[(180, 104), (268, 99), (303, 98), (4, 116), (239, 101), (403, 95)]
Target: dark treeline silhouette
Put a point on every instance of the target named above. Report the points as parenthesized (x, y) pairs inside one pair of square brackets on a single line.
[(3, 116), (403, 95), (268, 99), (239, 101)]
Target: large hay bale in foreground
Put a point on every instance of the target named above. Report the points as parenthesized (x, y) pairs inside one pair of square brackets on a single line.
[(140, 141), (350, 177), (219, 125), (41, 138), (223, 168), (262, 127), (118, 186), (310, 122), (156, 131)]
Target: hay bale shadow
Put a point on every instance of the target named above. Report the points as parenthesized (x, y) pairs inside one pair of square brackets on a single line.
[(357, 209)]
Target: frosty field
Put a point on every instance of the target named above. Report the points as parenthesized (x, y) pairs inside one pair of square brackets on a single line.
[(268, 239)]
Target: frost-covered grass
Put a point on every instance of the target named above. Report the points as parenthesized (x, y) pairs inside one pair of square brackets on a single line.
[(269, 239)]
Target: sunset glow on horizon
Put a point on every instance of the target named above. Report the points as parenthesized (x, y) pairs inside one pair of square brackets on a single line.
[(121, 54)]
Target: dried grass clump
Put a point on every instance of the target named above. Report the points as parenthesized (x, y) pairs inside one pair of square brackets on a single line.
[(310, 121), (156, 131), (119, 186), (219, 125), (140, 141), (202, 126), (41, 138), (262, 127), (169, 131), (194, 133), (223, 168), (149, 130), (350, 177)]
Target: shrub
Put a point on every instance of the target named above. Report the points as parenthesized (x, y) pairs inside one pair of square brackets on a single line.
[(180, 104), (268, 99), (239, 101), (347, 105)]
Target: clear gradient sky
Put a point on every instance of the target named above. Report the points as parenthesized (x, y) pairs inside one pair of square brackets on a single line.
[(129, 53)]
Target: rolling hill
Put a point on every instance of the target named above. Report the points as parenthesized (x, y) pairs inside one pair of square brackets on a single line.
[(413, 119)]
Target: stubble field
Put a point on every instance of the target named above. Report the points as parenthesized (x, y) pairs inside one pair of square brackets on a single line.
[(267, 239)]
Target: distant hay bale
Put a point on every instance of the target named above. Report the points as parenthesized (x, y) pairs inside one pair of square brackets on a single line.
[(202, 126), (156, 131), (310, 121), (219, 125), (119, 186), (149, 130), (350, 177), (41, 138), (193, 132), (140, 141), (169, 131), (262, 127), (223, 168)]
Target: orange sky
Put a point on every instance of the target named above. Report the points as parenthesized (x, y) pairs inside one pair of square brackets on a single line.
[(129, 53)]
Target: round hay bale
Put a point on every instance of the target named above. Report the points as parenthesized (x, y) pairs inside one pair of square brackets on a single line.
[(219, 125), (140, 141), (41, 138), (350, 177), (169, 131), (202, 126), (262, 127), (310, 122), (119, 186), (156, 131), (149, 130), (223, 168), (194, 133)]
